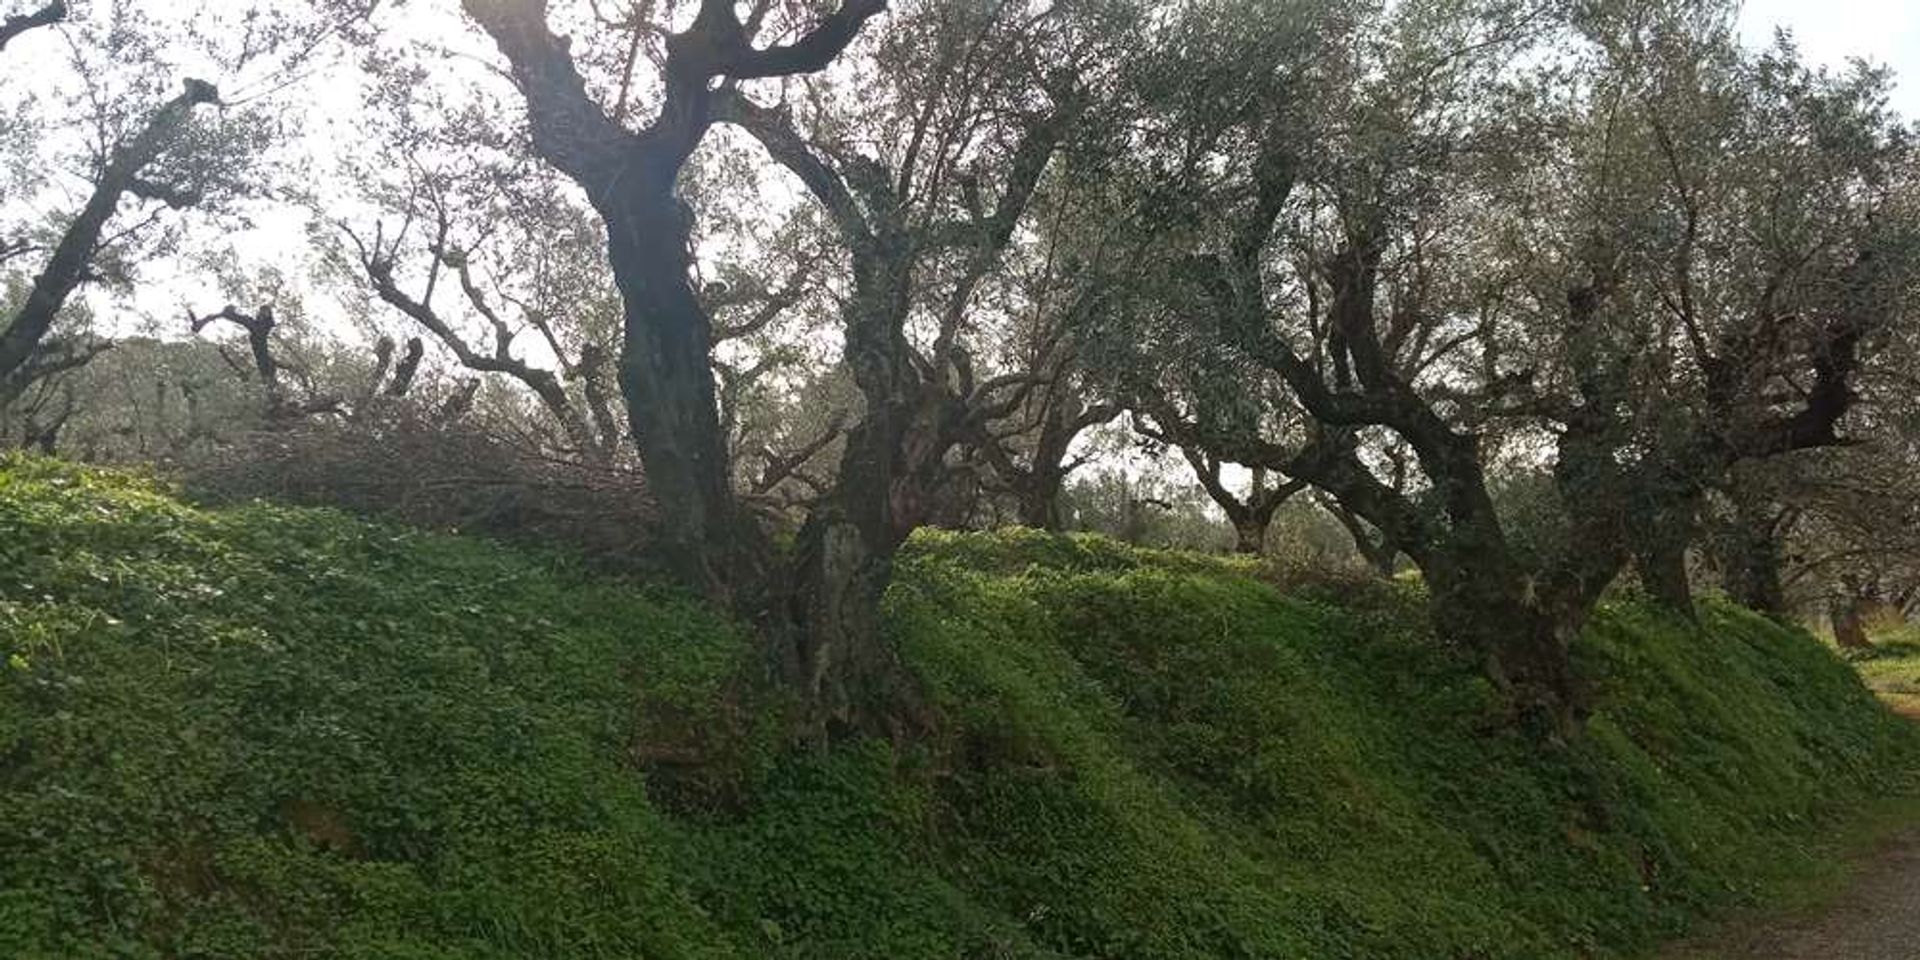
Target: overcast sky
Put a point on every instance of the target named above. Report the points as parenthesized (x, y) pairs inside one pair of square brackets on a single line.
[(1830, 31)]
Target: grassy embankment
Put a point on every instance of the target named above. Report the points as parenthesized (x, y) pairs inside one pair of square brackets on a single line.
[(263, 732)]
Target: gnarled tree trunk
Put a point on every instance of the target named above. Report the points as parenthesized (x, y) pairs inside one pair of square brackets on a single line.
[(1661, 564), (1750, 561), (824, 612), (1038, 487), (844, 562), (1249, 537), (1039, 501), (891, 478), (1660, 528), (1849, 619), (666, 378)]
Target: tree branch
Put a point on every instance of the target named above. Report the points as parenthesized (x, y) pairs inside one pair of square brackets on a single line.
[(20, 23), (259, 327), (569, 128), (67, 268)]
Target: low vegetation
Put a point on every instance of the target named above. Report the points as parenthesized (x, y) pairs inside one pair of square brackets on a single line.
[(260, 731), (1891, 669)]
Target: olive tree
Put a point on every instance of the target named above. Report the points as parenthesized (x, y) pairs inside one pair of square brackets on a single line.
[(1617, 240), (107, 142)]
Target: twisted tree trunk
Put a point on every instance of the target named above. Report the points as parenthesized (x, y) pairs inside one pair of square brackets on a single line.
[(1849, 619), (666, 378), (1038, 501), (1750, 559)]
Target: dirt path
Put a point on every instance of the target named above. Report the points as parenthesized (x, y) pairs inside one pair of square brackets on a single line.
[(1878, 918)]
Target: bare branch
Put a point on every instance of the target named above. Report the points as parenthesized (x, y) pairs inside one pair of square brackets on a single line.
[(773, 304), (407, 368), (779, 468), (259, 327)]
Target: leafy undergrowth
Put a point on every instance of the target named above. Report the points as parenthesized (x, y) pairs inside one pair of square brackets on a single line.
[(266, 732)]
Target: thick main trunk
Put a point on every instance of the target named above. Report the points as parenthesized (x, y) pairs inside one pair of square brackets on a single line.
[(1753, 574), (848, 666), (1524, 623), (1750, 556), (1250, 536), (1661, 523), (666, 377), (1534, 656), (891, 480), (1850, 624), (1525, 644), (1480, 597), (1039, 501), (825, 612), (665, 371), (1662, 567), (848, 669)]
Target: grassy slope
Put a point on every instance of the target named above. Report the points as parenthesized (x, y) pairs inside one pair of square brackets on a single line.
[(268, 732)]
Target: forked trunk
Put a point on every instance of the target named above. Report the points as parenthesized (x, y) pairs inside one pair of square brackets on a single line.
[(708, 539), (824, 611), (889, 481)]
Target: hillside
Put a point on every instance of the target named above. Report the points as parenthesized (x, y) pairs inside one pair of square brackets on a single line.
[(268, 732)]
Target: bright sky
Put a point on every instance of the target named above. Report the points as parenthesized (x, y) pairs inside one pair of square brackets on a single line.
[(1885, 32)]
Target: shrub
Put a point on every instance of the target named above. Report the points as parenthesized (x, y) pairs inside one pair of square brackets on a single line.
[(453, 476)]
